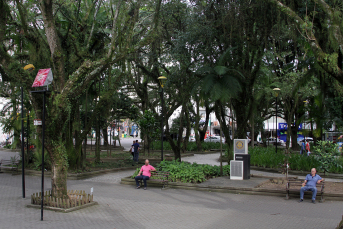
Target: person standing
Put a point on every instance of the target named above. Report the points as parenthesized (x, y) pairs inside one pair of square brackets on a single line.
[(310, 185), (303, 148), (132, 149), (135, 151), (144, 174)]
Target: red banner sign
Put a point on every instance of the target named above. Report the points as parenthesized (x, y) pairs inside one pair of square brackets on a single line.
[(43, 78)]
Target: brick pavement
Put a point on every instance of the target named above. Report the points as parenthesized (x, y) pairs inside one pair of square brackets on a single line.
[(122, 206)]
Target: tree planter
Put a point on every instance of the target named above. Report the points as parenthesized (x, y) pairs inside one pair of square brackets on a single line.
[(73, 201)]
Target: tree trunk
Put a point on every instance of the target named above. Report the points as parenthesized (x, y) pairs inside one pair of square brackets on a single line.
[(97, 143), (252, 132), (59, 169), (176, 147), (188, 131), (294, 135), (105, 136), (221, 116), (196, 127)]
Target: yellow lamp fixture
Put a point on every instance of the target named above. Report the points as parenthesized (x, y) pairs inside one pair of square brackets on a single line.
[(276, 91), (29, 67), (162, 80)]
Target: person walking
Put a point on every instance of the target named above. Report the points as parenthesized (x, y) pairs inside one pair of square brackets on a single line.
[(144, 174), (135, 151), (310, 185), (132, 149)]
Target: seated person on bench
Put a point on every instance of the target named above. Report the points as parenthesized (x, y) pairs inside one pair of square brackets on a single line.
[(146, 174), (310, 185)]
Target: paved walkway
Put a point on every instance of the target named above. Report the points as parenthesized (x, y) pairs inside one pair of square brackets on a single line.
[(123, 206)]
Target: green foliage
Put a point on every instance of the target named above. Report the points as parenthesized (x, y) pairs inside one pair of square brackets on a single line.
[(189, 173), (149, 126), (267, 158), (37, 160), (326, 153), (302, 162), (191, 146)]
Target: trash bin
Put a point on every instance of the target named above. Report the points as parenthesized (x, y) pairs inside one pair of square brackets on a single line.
[(246, 164), (124, 135)]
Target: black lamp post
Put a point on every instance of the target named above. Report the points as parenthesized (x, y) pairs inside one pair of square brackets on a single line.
[(162, 80), (22, 143), (43, 79), (276, 91)]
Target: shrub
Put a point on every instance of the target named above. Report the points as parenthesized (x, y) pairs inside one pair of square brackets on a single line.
[(320, 157), (326, 153), (302, 162), (189, 173), (191, 146), (266, 157)]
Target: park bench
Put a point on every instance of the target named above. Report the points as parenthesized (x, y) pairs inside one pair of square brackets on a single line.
[(159, 176), (295, 185), (9, 164)]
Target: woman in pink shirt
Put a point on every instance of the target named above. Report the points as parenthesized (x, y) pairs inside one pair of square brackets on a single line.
[(144, 174)]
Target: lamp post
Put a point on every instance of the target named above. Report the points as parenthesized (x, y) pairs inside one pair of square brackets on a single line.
[(43, 79), (29, 68), (162, 80), (276, 91)]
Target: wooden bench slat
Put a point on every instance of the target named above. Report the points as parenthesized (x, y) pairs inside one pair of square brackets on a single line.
[(162, 176)]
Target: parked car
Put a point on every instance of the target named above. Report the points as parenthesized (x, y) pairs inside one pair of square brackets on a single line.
[(214, 139), (271, 141)]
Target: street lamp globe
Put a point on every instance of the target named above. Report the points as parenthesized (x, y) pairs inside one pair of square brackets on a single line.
[(276, 91), (29, 67), (162, 80)]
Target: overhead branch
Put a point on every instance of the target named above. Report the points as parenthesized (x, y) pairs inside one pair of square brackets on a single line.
[(327, 61)]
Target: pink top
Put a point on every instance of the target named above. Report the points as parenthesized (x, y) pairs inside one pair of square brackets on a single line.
[(146, 170)]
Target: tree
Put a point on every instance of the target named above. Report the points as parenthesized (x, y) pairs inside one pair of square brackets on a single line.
[(329, 55), (78, 47), (149, 127)]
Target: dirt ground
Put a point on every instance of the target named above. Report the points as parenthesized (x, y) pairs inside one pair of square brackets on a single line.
[(330, 187)]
